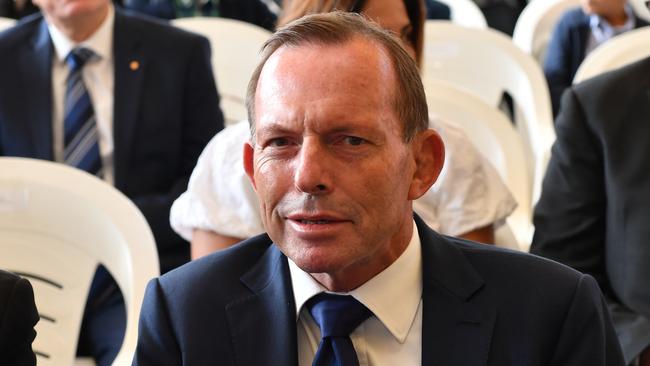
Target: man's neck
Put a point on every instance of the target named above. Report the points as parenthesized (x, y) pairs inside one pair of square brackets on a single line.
[(616, 19), (80, 28)]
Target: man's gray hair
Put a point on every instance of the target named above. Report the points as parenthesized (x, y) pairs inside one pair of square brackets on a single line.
[(338, 28)]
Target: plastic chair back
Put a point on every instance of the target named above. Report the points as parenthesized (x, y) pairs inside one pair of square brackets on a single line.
[(536, 23), (485, 62), (466, 13), (619, 51), (641, 9), (236, 49), (6, 23), (497, 140), (57, 224)]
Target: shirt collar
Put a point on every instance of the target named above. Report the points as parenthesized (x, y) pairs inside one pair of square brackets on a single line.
[(599, 25), (100, 42), (401, 280)]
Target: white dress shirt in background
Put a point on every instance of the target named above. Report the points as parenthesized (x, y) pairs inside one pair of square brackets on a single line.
[(98, 77)]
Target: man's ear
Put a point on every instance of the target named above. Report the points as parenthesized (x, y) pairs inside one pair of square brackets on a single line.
[(429, 155), (249, 155)]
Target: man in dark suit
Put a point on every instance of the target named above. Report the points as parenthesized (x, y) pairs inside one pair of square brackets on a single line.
[(340, 147), (150, 103), (594, 208), (577, 33), (18, 316)]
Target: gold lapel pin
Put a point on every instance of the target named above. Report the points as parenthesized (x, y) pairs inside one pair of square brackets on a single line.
[(134, 65)]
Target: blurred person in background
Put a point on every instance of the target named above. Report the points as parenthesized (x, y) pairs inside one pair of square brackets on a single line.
[(128, 99), (578, 32)]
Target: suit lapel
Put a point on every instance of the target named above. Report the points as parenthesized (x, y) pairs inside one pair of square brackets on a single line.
[(38, 60), (263, 325), (455, 330), (130, 65)]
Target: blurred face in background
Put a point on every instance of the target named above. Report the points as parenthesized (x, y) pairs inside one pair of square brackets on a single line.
[(69, 10), (607, 9), (391, 15)]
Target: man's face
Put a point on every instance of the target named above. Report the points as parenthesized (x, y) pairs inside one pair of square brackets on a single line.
[(604, 8), (62, 11), (330, 167)]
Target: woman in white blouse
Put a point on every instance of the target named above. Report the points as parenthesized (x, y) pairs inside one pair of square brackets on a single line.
[(220, 207)]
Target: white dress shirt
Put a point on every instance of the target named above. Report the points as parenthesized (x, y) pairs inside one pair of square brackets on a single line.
[(393, 335), (98, 77), (601, 31)]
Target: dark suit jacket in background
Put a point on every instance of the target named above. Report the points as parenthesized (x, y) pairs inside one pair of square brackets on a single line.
[(251, 11), (8, 9), (594, 211), (18, 316), (566, 51), (482, 306), (164, 112), (437, 10)]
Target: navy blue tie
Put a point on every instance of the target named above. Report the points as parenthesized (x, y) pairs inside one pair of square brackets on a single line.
[(81, 146), (337, 316)]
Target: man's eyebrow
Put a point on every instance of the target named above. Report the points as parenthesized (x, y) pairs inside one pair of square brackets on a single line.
[(274, 128)]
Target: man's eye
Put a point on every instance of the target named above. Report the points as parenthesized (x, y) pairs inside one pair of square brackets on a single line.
[(278, 142), (353, 140)]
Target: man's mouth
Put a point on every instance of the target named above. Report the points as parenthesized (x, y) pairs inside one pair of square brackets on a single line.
[(314, 222)]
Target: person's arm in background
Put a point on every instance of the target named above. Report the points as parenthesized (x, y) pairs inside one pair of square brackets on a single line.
[(205, 242), (483, 235), (18, 316)]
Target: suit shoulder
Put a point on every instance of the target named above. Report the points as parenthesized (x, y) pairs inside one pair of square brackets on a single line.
[(21, 34), (225, 266), (618, 84), (504, 264), (573, 18)]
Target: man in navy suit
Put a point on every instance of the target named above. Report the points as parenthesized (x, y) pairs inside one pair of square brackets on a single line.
[(340, 147), (155, 106)]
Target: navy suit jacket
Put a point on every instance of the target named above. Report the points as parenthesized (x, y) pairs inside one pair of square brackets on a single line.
[(164, 112), (566, 51), (594, 210), (482, 306), (18, 316), (437, 10)]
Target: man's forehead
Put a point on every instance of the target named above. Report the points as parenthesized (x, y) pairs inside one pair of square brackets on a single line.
[(355, 52)]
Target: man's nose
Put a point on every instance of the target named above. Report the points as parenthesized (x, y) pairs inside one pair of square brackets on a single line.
[(313, 173)]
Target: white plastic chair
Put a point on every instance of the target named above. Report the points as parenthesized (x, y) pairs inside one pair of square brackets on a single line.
[(57, 224), (497, 140), (619, 51), (536, 23), (235, 55), (641, 9), (487, 63), (6, 23), (466, 13)]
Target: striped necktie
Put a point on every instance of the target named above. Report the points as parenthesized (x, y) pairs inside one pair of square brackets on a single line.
[(81, 146)]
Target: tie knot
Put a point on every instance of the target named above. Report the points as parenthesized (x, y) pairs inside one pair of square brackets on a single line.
[(78, 57), (337, 315)]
